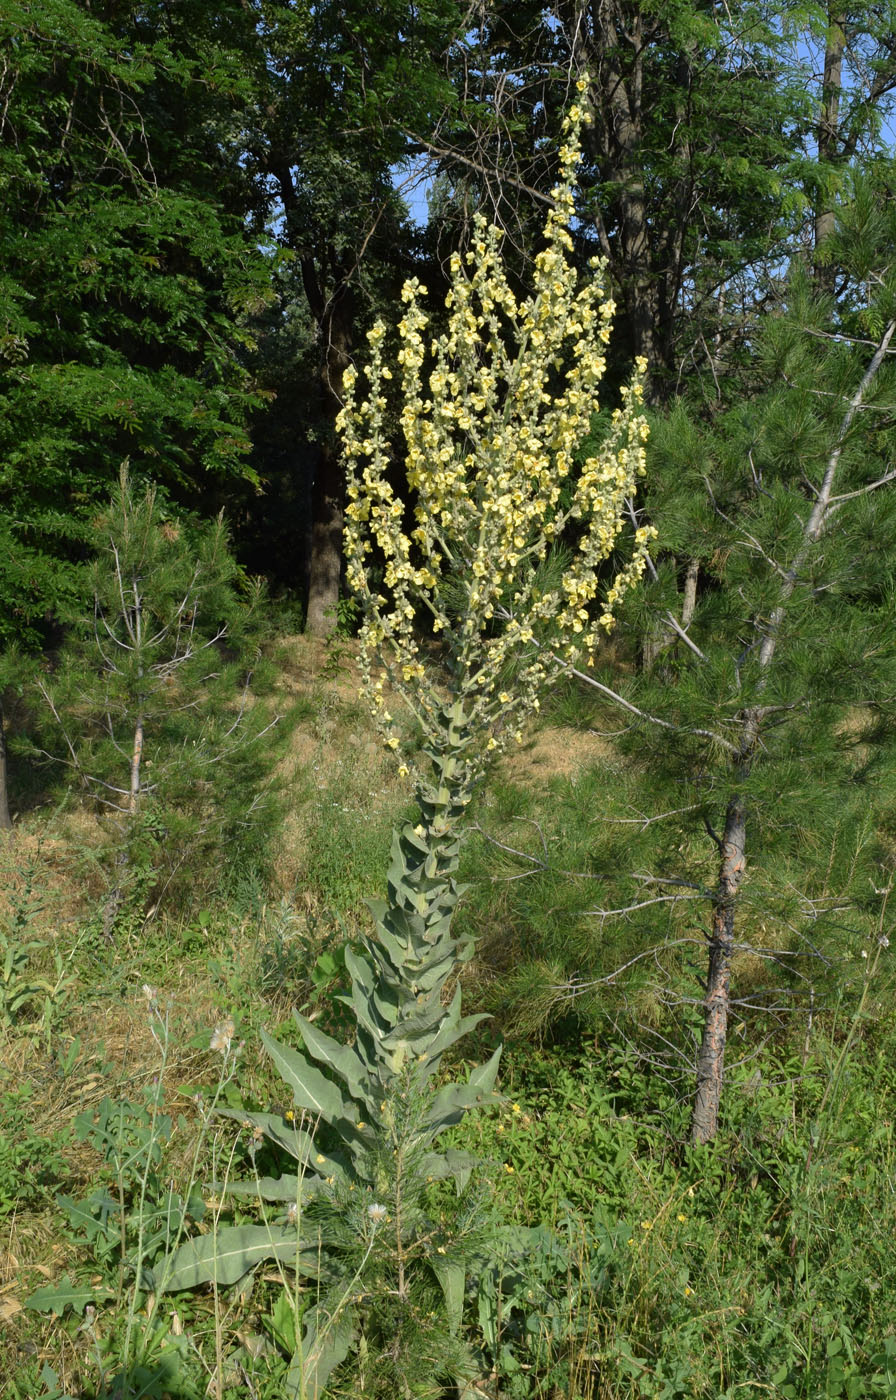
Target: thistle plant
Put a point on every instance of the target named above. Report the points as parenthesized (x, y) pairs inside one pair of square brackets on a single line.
[(492, 482)]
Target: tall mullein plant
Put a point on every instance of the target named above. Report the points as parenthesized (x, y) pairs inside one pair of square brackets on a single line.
[(493, 411), (489, 464)]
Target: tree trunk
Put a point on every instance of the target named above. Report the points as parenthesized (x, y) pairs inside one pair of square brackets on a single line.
[(711, 1060), (689, 597), (829, 153), (325, 564), (136, 760), (609, 40), (5, 818), (335, 320)]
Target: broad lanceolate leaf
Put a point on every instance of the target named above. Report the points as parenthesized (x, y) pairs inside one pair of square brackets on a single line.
[(345, 1061), (225, 1255), (450, 1103), (325, 1343), (452, 1278), (311, 1090), (278, 1129), (289, 1189), (438, 1166)]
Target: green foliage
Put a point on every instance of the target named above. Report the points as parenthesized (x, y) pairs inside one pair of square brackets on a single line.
[(123, 282), (355, 1208), (152, 695), (656, 1271), (30, 999), (29, 1162)]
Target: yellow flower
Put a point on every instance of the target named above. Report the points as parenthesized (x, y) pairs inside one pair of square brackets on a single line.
[(489, 457)]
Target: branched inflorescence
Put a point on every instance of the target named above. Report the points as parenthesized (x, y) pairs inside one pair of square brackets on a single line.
[(493, 412)]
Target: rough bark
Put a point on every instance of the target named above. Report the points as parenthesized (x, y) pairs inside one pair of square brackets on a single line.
[(733, 842), (136, 760), (829, 153), (711, 1059), (5, 818), (327, 277), (689, 595), (325, 563), (334, 314), (610, 40)]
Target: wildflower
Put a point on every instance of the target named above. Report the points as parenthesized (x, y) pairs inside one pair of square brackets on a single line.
[(289, 1115), (688, 1292), (508, 1168), (515, 1108), (376, 1213), (681, 1218), (490, 459), (150, 994), (646, 1224), (222, 1036), (884, 941), (864, 953)]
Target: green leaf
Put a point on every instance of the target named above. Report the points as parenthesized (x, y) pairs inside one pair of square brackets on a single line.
[(341, 1058), (325, 1343), (56, 1297), (452, 1279), (311, 1090), (226, 1255), (276, 1128), (441, 1165), (289, 1189)]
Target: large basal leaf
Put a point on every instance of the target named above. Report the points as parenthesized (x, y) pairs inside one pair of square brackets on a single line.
[(224, 1256), (451, 1102), (311, 1089), (439, 1166), (325, 1343)]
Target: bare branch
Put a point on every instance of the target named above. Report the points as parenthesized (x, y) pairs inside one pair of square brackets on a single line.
[(652, 719)]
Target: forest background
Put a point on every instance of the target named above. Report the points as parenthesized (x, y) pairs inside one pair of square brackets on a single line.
[(676, 910)]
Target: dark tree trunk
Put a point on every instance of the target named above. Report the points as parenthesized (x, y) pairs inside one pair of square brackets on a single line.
[(327, 281), (325, 563), (334, 314), (609, 40), (711, 1059), (829, 151), (5, 818)]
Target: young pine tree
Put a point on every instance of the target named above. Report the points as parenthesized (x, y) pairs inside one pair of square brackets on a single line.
[(152, 695)]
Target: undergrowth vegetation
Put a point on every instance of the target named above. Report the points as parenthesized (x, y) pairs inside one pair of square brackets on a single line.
[(602, 1256)]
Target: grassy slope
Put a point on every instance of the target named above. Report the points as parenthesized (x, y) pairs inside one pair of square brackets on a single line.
[(765, 1265)]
